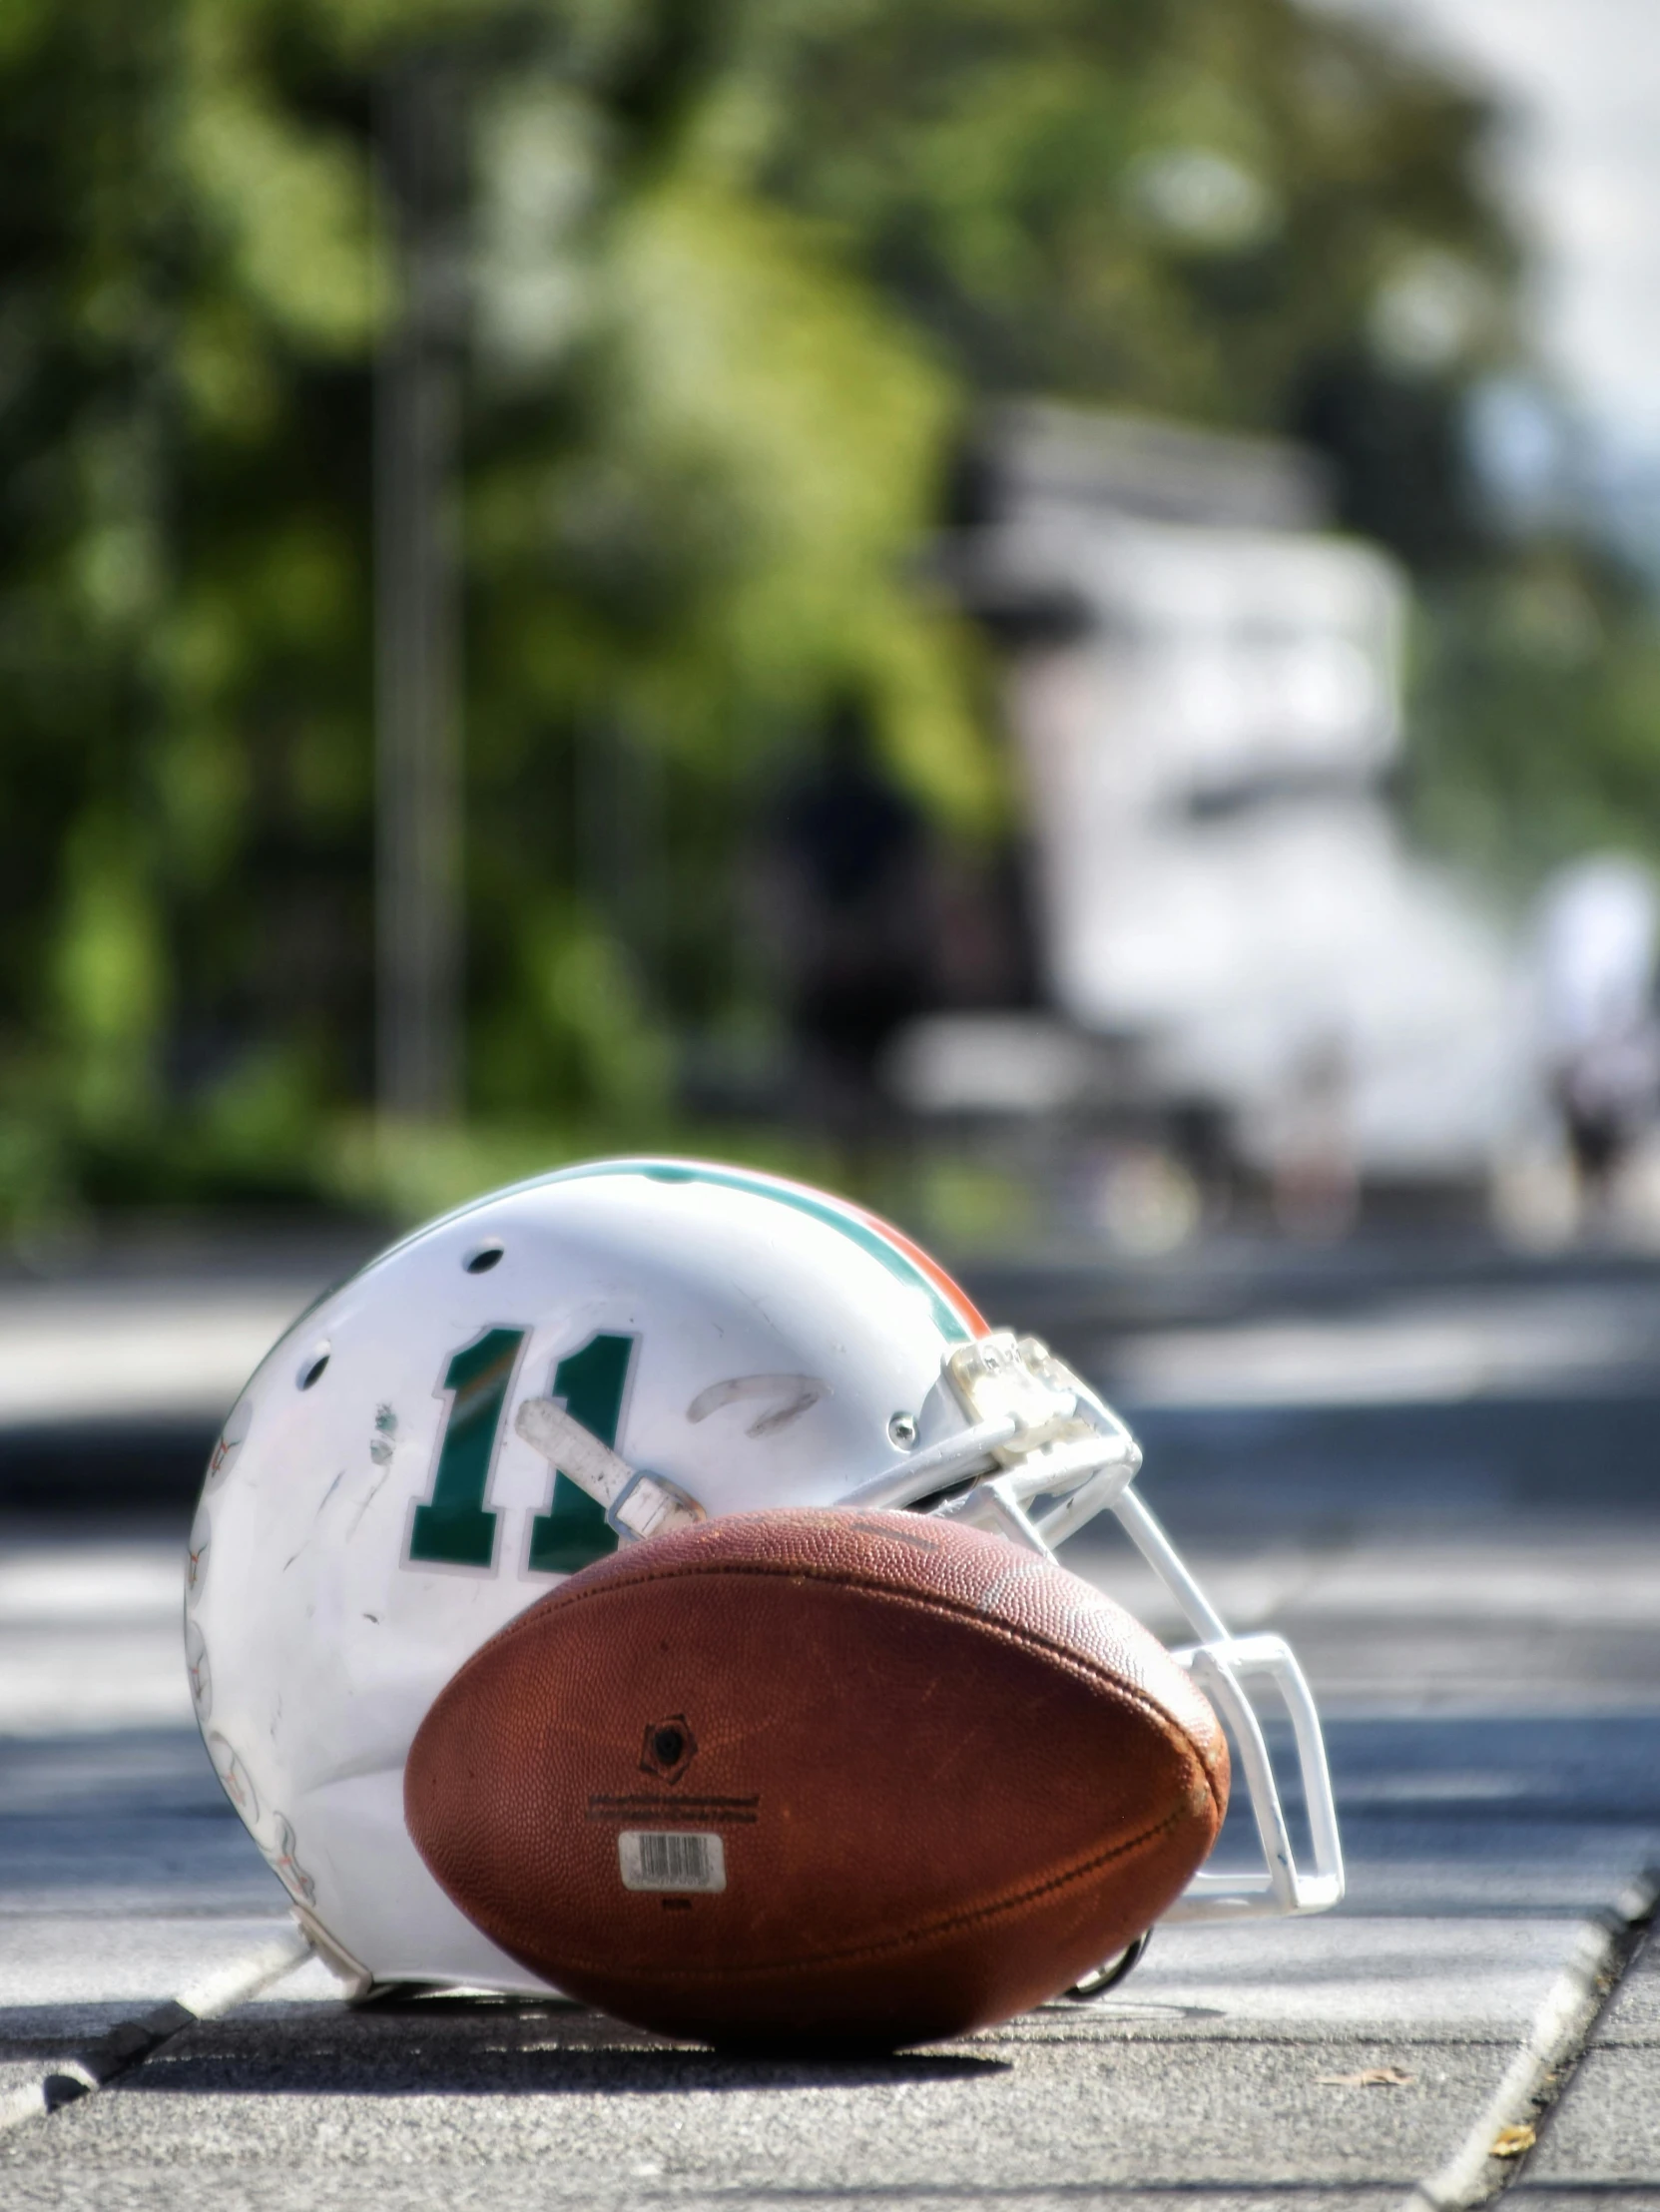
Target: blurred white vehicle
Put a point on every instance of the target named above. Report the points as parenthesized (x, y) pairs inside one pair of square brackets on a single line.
[(1205, 689)]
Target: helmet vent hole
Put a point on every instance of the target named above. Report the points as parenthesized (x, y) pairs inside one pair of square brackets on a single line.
[(484, 1257), (313, 1366), (902, 1430)]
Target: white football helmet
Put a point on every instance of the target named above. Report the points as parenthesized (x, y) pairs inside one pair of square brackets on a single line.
[(569, 1364)]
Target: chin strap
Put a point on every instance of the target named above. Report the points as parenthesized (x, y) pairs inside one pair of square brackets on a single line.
[(1107, 1978), (636, 1503)]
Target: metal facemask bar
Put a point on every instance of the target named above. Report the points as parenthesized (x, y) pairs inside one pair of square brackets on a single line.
[(1038, 1432)]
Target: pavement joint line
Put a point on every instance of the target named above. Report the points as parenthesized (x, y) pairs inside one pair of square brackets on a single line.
[(1546, 2063), (131, 2042)]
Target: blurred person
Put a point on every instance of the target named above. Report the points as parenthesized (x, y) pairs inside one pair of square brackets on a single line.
[(1315, 1177), (849, 866), (1595, 935)]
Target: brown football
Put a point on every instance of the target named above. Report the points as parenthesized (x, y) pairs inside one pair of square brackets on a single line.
[(818, 1779)]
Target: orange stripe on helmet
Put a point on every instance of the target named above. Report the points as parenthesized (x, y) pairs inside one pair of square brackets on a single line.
[(947, 1285)]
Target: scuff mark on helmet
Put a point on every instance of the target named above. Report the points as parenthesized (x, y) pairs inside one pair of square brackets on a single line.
[(795, 1393)]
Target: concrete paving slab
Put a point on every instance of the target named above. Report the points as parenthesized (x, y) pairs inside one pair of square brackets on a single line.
[(494, 2190), (569, 2107), (1606, 2128), (47, 1966), (1347, 1975), (1436, 1347), (113, 1353), (1233, 2061), (1606, 2198), (1508, 1613), (1632, 2021), (1337, 1976), (89, 1635)]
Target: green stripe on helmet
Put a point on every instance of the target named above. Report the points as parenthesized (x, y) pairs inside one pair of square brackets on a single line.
[(862, 1233)]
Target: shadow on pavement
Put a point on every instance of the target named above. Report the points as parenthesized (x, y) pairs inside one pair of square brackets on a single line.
[(461, 2048)]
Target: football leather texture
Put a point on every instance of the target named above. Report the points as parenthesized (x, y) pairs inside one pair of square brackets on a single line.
[(817, 1780)]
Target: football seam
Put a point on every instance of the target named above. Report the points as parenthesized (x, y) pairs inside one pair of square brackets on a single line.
[(1077, 1663), (892, 1945)]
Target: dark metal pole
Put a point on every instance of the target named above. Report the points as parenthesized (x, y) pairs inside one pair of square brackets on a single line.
[(417, 644)]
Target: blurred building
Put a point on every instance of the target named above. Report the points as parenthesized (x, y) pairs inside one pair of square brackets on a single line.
[(1203, 683)]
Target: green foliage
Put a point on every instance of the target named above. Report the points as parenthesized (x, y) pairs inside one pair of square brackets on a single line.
[(1182, 204), (738, 276), (707, 538), (1536, 734), (689, 502)]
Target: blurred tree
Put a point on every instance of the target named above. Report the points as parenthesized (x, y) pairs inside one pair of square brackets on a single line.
[(1240, 212), (1537, 725), (190, 288), (737, 277), (697, 457)]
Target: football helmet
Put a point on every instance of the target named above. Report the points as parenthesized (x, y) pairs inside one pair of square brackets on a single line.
[(571, 1363)]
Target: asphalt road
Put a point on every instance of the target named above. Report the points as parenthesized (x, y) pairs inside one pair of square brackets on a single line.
[(1447, 1494)]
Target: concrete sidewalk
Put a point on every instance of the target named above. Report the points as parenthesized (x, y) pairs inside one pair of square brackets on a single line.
[(1486, 1647), (1233, 2065), (1603, 2138)]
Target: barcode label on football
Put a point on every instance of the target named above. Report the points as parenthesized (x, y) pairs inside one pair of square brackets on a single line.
[(661, 1859)]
